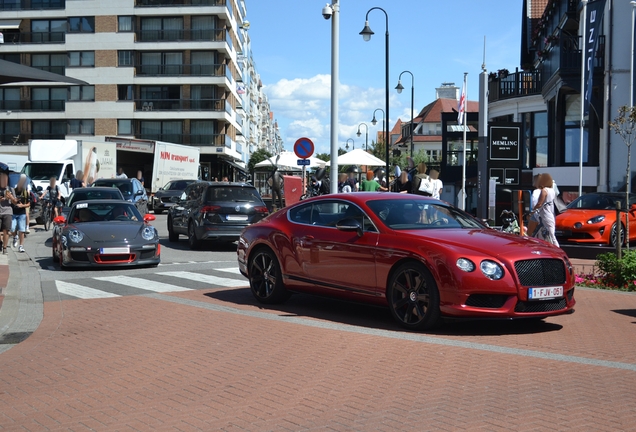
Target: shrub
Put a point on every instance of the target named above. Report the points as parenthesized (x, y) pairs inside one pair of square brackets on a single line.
[(618, 273)]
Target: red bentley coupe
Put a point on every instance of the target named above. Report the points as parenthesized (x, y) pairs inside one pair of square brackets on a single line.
[(422, 258)]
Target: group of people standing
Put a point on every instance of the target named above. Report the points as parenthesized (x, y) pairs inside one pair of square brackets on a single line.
[(13, 210)]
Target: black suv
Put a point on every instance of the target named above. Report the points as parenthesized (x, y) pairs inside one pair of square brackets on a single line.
[(130, 188), (214, 211)]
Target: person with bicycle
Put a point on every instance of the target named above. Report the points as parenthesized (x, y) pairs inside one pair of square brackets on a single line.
[(23, 201), (54, 197)]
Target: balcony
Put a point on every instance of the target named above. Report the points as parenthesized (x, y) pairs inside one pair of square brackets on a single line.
[(181, 70), (34, 37), (155, 3), (18, 5), (210, 35), (32, 105), (181, 105), (210, 140), (564, 58), (514, 85)]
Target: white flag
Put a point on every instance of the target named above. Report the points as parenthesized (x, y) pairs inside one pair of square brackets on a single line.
[(461, 106)]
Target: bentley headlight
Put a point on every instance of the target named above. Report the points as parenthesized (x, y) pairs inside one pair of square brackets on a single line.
[(148, 233), (75, 236), (465, 264), (491, 270), (596, 219)]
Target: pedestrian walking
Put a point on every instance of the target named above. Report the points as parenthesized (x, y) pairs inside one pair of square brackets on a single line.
[(121, 173), (545, 207), (7, 198), (370, 184), (78, 180), (140, 177), (438, 185), (19, 218)]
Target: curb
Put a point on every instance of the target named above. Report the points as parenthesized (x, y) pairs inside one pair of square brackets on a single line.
[(22, 309)]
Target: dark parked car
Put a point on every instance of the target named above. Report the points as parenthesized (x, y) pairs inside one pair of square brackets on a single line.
[(162, 200), (131, 188), (35, 212), (214, 211)]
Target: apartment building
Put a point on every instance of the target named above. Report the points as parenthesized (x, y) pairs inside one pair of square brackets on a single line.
[(169, 70)]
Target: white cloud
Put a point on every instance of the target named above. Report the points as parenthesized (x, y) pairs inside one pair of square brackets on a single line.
[(302, 108)]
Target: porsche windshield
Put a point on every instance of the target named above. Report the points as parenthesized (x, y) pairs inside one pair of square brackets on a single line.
[(416, 214), (102, 212)]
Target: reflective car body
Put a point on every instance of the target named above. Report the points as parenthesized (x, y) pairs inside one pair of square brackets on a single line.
[(104, 233), (162, 199), (90, 194), (214, 211), (131, 189), (591, 219), (421, 257)]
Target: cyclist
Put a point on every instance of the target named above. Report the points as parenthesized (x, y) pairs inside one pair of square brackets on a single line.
[(54, 196)]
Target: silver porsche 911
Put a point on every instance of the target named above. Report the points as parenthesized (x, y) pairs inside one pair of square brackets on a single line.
[(105, 233)]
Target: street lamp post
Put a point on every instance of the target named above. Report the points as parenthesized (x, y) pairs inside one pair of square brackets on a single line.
[(399, 89), (333, 11), (353, 144), (374, 121), (366, 137), (366, 35)]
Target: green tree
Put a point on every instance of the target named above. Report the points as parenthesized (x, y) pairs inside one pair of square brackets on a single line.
[(323, 156), (624, 125), (258, 156)]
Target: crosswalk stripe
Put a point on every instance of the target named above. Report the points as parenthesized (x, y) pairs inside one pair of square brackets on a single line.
[(80, 291), (213, 280), (144, 284), (233, 270)]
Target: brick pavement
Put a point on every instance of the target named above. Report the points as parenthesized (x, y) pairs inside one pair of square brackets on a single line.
[(215, 360)]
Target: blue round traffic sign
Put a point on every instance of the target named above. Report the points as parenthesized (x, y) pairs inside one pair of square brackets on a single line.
[(304, 148)]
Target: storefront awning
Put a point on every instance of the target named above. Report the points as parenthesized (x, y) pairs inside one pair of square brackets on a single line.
[(235, 165), (10, 24)]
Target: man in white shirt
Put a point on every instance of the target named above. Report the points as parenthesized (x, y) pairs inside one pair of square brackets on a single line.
[(438, 185)]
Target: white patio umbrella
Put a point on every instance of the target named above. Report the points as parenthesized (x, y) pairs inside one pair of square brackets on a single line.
[(359, 157), (289, 160)]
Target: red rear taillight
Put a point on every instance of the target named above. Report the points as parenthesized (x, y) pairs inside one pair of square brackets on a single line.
[(261, 209), (210, 209)]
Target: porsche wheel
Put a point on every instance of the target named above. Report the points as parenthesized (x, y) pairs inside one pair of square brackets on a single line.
[(193, 241), (613, 237), (413, 297), (266, 279)]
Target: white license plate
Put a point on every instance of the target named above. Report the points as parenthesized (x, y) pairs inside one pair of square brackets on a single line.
[(237, 217), (545, 293), (114, 251)]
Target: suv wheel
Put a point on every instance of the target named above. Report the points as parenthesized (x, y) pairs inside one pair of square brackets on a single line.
[(193, 241)]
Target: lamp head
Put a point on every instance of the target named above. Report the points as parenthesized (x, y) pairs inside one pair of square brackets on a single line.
[(399, 87), (374, 121), (366, 32), (358, 133)]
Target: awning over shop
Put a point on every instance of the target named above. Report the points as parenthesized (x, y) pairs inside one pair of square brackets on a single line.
[(235, 165), (7, 24)]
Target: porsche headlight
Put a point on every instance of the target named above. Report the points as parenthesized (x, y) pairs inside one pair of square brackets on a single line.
[(75, 236), (491, 270), (465, 264), (148, 233), (596, 219)]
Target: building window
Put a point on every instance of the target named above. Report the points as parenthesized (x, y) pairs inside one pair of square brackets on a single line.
[(81, 25), (81, 127), (125, 58), (124, 92), (10, 99), (81, 93), (170, 131), (540, 137), (48, 98), (572, 130), (9, 132), (48, 30), (125, 24), (55, 63), (165, 29), (125, 127), (81, 58), (48, 129), (433, 155)]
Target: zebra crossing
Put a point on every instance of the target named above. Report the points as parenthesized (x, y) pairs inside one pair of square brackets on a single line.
[(101, 287)]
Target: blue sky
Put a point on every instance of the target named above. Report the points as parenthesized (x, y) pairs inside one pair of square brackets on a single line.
[(437, 40)]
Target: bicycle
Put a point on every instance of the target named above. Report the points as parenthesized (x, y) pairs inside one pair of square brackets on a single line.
[(47, 214)]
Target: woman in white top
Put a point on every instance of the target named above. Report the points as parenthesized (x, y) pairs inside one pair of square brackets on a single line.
[(545, 207)]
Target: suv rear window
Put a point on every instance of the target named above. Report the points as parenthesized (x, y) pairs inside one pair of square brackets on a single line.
[(235, 194)]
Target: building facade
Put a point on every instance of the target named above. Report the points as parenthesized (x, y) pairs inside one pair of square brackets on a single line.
[(545, 95), (179, 71)]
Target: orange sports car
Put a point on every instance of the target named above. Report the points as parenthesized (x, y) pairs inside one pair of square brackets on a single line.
[(591, 219)]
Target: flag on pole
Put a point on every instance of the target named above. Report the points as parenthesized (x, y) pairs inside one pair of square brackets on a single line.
[(593, 19), (461, 106)]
